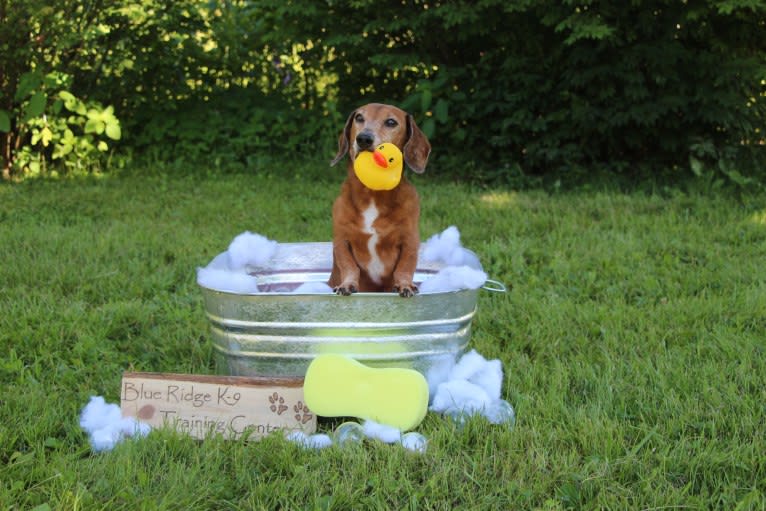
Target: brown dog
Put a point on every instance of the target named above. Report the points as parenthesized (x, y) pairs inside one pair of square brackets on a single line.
[(375, 233)]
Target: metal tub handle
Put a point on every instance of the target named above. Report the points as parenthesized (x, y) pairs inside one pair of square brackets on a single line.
[(494, 286)]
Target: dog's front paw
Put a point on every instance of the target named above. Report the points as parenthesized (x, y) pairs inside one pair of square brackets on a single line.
[(345, 290), (406, 290)]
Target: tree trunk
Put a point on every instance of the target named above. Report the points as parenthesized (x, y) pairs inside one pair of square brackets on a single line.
[(5, 146)]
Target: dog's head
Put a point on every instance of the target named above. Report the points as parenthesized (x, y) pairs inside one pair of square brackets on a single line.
[(373, 124)]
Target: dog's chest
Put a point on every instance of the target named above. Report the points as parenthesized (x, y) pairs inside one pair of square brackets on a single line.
[(375, 267)]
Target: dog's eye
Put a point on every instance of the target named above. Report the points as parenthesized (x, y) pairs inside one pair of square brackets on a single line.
[(391, 123), (359, 118)]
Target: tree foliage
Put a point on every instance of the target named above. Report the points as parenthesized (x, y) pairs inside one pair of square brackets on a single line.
[(41, 118), (554, 86), (545, 86)]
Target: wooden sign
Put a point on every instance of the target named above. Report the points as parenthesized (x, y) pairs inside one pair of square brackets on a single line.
[(228, 405)]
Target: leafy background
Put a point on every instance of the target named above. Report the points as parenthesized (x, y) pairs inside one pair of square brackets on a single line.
[(549, 88)]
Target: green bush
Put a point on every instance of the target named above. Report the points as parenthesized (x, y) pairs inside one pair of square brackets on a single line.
[(41, 119), (235, 129), (187, 80), (554, 86), (242, 98), (548, 87)]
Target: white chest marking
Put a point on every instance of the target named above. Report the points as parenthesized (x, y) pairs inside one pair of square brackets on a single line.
[(375, 267)]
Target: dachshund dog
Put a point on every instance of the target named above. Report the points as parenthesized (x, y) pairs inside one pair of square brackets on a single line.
[(375, 232)]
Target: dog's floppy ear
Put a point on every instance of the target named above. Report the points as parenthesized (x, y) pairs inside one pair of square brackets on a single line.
[(343, 140), (417, 148)]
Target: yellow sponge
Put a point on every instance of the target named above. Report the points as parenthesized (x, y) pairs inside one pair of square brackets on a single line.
[(339, 386)]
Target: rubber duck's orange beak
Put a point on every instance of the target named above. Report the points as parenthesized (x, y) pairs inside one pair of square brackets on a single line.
[(380, 159)]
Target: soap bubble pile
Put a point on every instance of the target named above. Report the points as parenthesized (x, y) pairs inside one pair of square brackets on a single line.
[(230, 271), (106, 427), (472, 387), (350, 433)]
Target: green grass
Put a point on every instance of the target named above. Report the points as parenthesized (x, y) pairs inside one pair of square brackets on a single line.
[(633, 341)]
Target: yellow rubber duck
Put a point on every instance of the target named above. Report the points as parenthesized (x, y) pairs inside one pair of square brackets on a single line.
[(380, 169)]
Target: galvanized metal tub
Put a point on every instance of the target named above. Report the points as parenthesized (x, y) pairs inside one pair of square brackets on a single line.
[(278, 332)]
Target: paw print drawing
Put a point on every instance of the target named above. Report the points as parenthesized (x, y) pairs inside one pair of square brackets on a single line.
[(302, 413), (278, 405)]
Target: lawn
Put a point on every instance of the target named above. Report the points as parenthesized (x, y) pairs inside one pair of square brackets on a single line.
[(633, 340)]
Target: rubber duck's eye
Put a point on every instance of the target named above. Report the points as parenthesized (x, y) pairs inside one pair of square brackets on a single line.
[(391, 123), (359, 118), (380, 148), (390, 160)]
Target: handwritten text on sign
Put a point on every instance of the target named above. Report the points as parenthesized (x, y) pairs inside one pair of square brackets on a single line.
[(230, 405)]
